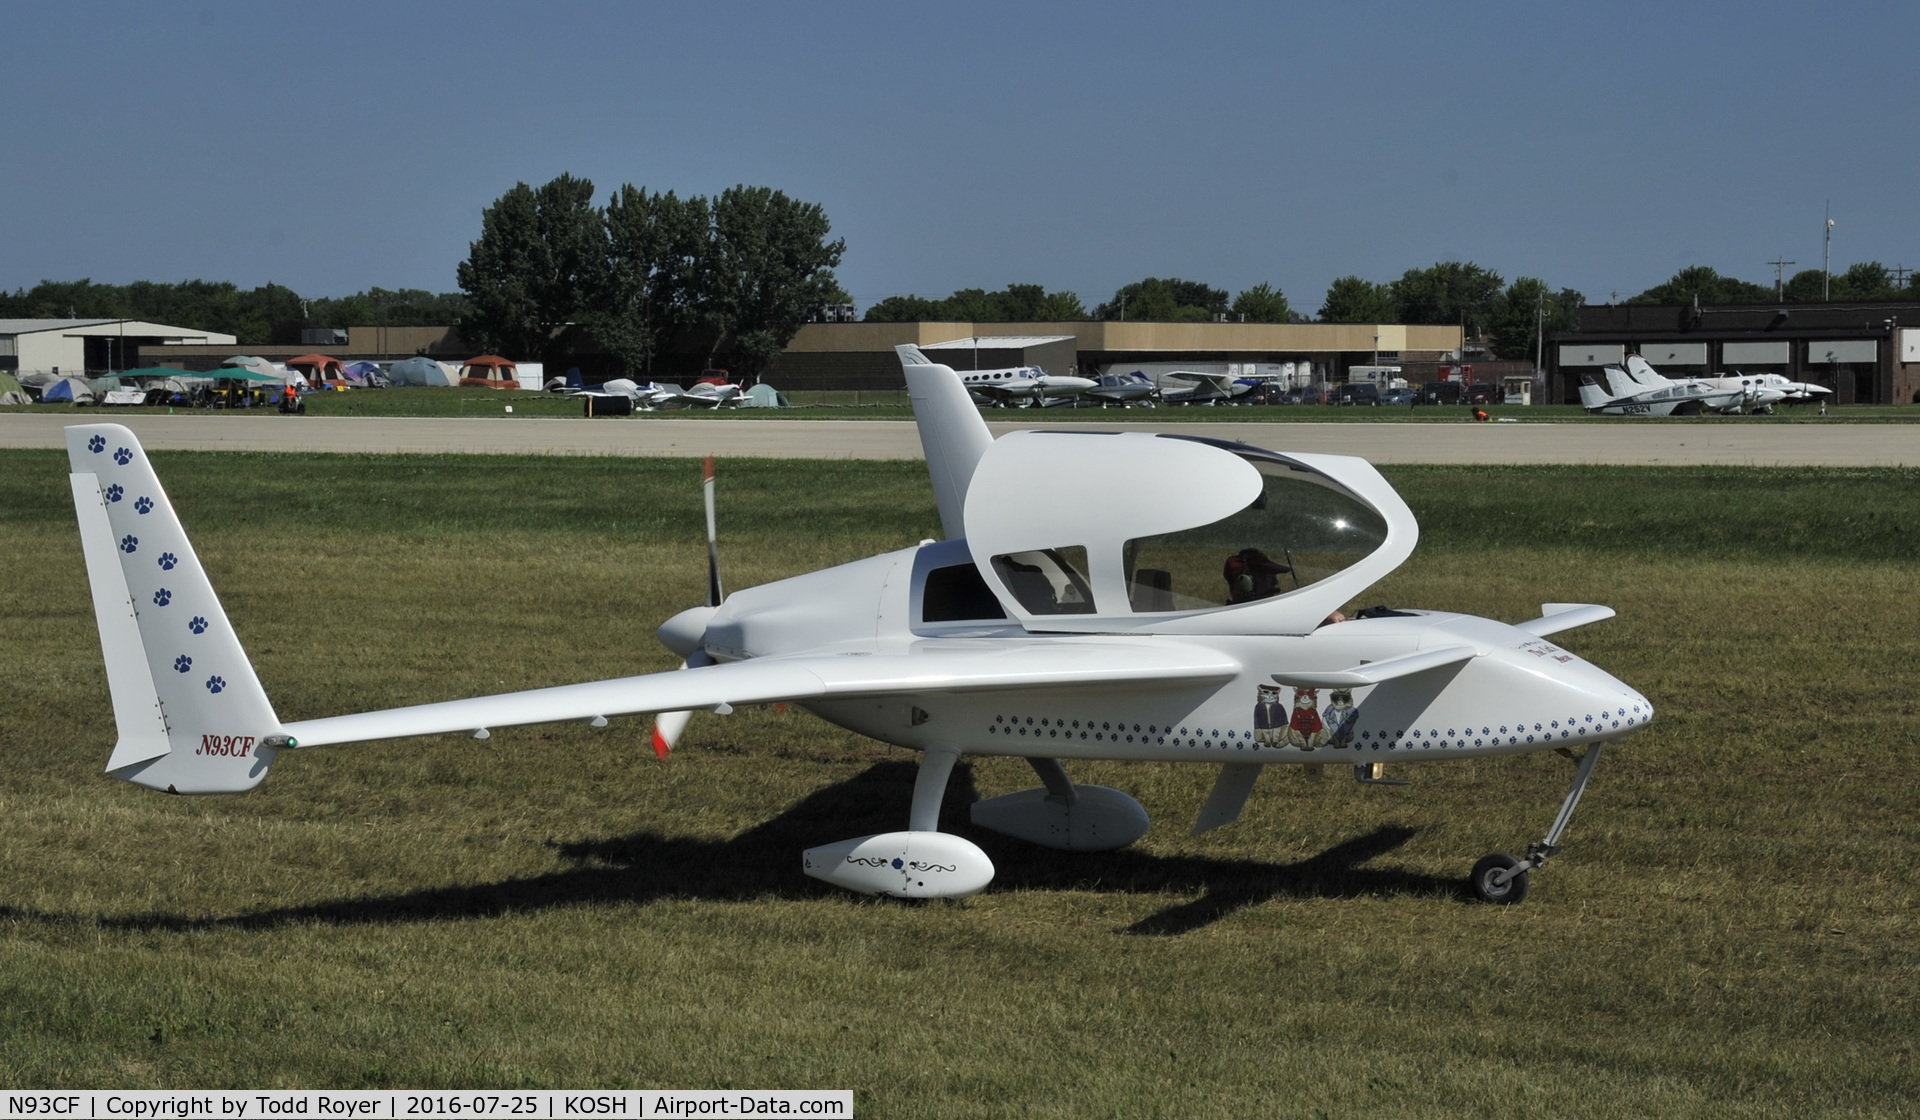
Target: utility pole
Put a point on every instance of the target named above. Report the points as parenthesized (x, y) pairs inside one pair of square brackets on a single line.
[(1826, 257), (1539, 330), (1779, 277), (1900, 275)]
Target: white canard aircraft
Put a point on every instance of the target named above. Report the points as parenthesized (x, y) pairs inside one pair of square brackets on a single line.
[(1189, 623), (1023, 385)]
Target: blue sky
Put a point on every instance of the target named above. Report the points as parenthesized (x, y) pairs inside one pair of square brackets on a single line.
[(1600, 147)]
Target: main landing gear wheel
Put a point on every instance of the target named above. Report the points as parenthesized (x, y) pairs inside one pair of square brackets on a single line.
[(1487, 879)]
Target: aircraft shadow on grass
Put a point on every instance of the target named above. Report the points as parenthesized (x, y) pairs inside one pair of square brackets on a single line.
[(763, 862)]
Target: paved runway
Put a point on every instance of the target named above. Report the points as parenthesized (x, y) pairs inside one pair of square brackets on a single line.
[(1732, 442)]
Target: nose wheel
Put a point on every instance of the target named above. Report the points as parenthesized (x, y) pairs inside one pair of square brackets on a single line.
[(1500, 877)]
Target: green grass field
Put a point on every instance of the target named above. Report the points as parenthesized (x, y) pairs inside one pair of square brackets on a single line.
[(1731, 931)]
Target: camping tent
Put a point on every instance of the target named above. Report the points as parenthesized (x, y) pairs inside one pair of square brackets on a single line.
[(261, 366), (70, 390), (764, 396), (490, 371), (317, 367), (11, 392), (357, 371), (420, 371)]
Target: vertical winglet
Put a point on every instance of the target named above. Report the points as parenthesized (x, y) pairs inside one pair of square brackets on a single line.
[(136, 702), (952, 434)]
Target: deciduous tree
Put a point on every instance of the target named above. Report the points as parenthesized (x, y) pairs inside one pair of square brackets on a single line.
[(1353, 300), (539, 259), (1263, 303), (767, 266)]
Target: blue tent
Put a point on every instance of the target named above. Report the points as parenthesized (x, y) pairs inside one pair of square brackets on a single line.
[(359, 370), (68, 389)]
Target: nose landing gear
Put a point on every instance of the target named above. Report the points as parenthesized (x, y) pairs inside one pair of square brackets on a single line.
[(1501, 878)]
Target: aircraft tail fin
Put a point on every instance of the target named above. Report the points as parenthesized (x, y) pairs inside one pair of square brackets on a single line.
[(191, 715), (1592, 396), (1618, 383), (952, 434), (1644, 374)]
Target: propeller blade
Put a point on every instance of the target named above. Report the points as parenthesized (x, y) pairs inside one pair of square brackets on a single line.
[(714, 592), (667, 727)]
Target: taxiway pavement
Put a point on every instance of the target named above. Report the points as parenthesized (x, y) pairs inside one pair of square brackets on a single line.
[(1732, 442)]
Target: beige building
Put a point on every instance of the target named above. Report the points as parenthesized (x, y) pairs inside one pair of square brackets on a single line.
[(861, 355), (90, 347)]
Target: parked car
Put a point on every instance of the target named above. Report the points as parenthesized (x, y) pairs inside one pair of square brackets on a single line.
[(1483, 394), (1397, 397), (1442, 392), (1303, 394), (1358, 393)]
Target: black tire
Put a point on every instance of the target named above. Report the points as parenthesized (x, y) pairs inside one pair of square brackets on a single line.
[(1483, 886)]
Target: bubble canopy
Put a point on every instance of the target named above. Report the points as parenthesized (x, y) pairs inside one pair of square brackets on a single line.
[(1114, 531)]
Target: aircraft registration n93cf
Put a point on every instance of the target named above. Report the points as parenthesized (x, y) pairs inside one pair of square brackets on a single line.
[(1191, 623)]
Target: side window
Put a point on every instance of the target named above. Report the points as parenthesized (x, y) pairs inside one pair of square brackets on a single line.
[(958, 594), (1047, 581)]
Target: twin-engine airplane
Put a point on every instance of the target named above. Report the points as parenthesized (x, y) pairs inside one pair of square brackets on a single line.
[(1193, 622), (1637, 389), (1024, 385)]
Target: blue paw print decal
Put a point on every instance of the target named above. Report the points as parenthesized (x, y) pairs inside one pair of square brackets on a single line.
[(114, 493), (198, 625), (129, 543), (97, 444), (144, 505), (898, 864), (215, 684), (162, 597), (167, 559), (182, 663), (122, 456)]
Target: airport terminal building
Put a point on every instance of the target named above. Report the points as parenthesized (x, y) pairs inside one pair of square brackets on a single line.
[(861, 355), (1859, 350)]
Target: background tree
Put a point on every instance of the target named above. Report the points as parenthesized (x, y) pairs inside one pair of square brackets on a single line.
[(641, 287), (1164, 301), (1017, 303), (1449, 293), (904, 309), (1353, 300), (404, 307), (1703, 283), (1525, 307), (540, 257), (767, 267), (1263, 303)]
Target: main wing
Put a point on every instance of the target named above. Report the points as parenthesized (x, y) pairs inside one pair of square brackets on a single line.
[(930, 667)]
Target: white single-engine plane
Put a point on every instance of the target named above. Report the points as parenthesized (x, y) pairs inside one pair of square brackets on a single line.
[(1193, 622)]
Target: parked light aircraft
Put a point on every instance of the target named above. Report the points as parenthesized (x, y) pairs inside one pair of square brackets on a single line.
[(1637, 389), (1193, 622), (660, 395), (1122, 388), (1024, 385), (1190, 387)]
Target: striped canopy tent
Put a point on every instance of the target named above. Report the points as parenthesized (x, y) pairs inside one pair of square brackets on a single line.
[(491, 371), (318, 367)]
